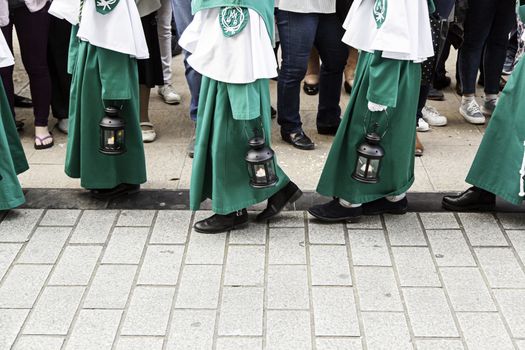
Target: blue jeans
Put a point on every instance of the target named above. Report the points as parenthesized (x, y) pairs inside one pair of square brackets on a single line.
[(299, 32), (183, 17)]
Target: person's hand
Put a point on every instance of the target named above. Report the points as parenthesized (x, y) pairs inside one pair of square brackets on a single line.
[(374, 107)]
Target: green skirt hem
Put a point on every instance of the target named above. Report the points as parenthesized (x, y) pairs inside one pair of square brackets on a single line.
[(12, 203), (105, 185), (513, 199)]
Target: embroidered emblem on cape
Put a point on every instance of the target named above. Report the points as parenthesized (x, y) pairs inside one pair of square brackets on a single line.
[(106, 6), (380, 8), (233, 20)]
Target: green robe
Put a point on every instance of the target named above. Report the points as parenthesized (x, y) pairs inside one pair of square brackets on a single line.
[(498, 162), (100, 78), (387, 82), (12, 158)]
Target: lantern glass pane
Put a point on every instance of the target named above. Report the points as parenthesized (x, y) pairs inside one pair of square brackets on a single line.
[(362, 163), (260, 174), (373, 168), (109, 139), (270, 169)]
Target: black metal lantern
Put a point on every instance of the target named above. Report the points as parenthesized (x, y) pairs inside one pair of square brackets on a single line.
[(261, 164), (112, 134), (369, 156)]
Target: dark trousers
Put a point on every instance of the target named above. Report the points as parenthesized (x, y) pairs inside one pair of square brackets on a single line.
[(488, 24), (32, 30), (299, 32), (58, 47)]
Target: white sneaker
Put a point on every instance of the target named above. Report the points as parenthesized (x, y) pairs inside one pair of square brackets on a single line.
[(422, 125), (471, 112), (63, 125), (433, 117), (169, 95), (148, 132), (488, 106)]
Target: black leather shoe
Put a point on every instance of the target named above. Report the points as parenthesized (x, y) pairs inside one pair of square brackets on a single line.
[(328, 130), (115, 192), (288, 194), (333, 211), (222, 223), (473, 199), (23, 102), (311, 89), (299, 140), (273, 112), (348, 88), (384, 206), (435, 94)]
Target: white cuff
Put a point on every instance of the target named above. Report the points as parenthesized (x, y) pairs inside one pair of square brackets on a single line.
[(374, 107)]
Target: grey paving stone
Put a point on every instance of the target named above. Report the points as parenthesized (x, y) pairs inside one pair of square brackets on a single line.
[(38, 342), (54, 311), (110, 287), (199, 287), (94, 330), (521, 344), (287, 246), (171, 227), (139, 343), (429, 313), (94, 226), (191, 330), (386, 330), (436, 221), (338, 344), (22, 285), (369, 248), (239, 343), (405, 230), (255, 233), (245, 266), (10, 323), (242, 311), (329, 266), (45, 245), (415, 267), (126, 245), (335, 311), (372, 222), (206, 249), (287, 287), (148, 311), (482, 229), (8, 252), (501, 267), (18, 224), (439, 344), (467, 290), (513, 308), (60, 217), (377, 289), (136, 218), (450, 248), (288, 219), (75, 265), (512, 221), (319, 233), (288, 330), (161, 265), (484, 331), (518, 242)]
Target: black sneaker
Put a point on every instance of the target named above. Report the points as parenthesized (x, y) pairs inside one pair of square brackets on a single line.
[(384, 206), (333, 211), (222, 223)]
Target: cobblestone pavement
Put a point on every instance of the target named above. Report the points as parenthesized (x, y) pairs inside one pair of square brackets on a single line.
[(73, 279)]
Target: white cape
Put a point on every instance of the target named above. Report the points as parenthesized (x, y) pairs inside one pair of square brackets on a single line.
[(66, 9), (404, 35), (241, 59), (6, 57), (120, 30)]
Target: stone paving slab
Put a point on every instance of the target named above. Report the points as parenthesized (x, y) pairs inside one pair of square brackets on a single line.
[(128, 280)]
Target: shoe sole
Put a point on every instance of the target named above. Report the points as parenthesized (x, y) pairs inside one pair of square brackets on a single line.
[(400, 211), (234, 227), (485, 207), (351, 219), (435, 124), (122, 194), (475, 121), (309, 148), (295, 196), (432, 98)]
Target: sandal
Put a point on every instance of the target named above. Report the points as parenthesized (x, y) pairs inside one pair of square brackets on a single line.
[(42, 139), (148, 135)]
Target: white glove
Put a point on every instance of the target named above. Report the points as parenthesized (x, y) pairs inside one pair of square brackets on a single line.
[(374, 107)]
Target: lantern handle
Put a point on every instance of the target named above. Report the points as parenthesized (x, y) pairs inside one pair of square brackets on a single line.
[(255, 130), (366, 125)]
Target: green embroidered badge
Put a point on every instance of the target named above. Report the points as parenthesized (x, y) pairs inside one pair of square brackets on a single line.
[(106, 6), (380, 8), (233, 20)]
